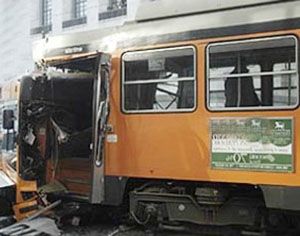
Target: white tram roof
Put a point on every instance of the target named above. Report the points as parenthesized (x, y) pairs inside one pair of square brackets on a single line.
[(156, 24)]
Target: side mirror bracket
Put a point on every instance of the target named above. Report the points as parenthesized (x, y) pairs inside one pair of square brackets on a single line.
[(8, 124), (8, 119)]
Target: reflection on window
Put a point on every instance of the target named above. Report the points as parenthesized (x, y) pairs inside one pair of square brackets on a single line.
[(46, 12), (253, 73), (116, 4), (285, 86), (159, 80), (79, 8)]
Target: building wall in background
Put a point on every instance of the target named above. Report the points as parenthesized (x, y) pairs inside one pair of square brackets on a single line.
[(21, 23), (99, 14), (15, 40), (151, 9)]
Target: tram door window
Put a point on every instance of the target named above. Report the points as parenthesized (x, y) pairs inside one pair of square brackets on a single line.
[(257, 73), (161, 80)]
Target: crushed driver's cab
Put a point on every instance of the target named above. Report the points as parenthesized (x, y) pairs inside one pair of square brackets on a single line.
[(63, 111)]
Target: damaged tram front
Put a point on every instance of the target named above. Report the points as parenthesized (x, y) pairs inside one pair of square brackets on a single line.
[(63, 113)]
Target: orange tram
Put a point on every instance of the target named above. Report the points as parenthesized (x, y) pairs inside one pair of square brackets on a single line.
[(181, 121)]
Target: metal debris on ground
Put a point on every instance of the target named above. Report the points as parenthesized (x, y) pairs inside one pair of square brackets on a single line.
[(4, 180), (38, 226), (34, 225), (6, 221)]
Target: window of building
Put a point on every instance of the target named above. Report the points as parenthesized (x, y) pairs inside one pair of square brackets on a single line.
[(161, 80), (116, 4), (46, 12), (251, 74), (79, 8)]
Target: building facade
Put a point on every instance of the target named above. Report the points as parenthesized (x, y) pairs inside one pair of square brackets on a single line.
[(53, 17), (22, 22), (15, 50)]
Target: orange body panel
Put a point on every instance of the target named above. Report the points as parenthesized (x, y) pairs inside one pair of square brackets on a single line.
[(177, 145), (21, 186), (73, 173)]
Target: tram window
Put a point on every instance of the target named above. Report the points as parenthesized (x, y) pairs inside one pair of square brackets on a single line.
[(253, 74), (161, 80)]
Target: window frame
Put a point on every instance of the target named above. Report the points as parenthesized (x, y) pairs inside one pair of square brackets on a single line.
[(46, 12), (153, 111), (116, 5), (253, 108), (79, 7)]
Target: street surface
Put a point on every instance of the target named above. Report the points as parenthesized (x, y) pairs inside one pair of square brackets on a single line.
[(46, 226), (106, 230)]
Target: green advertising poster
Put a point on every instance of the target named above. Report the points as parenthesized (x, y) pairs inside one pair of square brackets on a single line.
[(257, 144)]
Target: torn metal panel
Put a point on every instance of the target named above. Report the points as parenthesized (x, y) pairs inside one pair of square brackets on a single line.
[(5, 181), (39, 226)]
